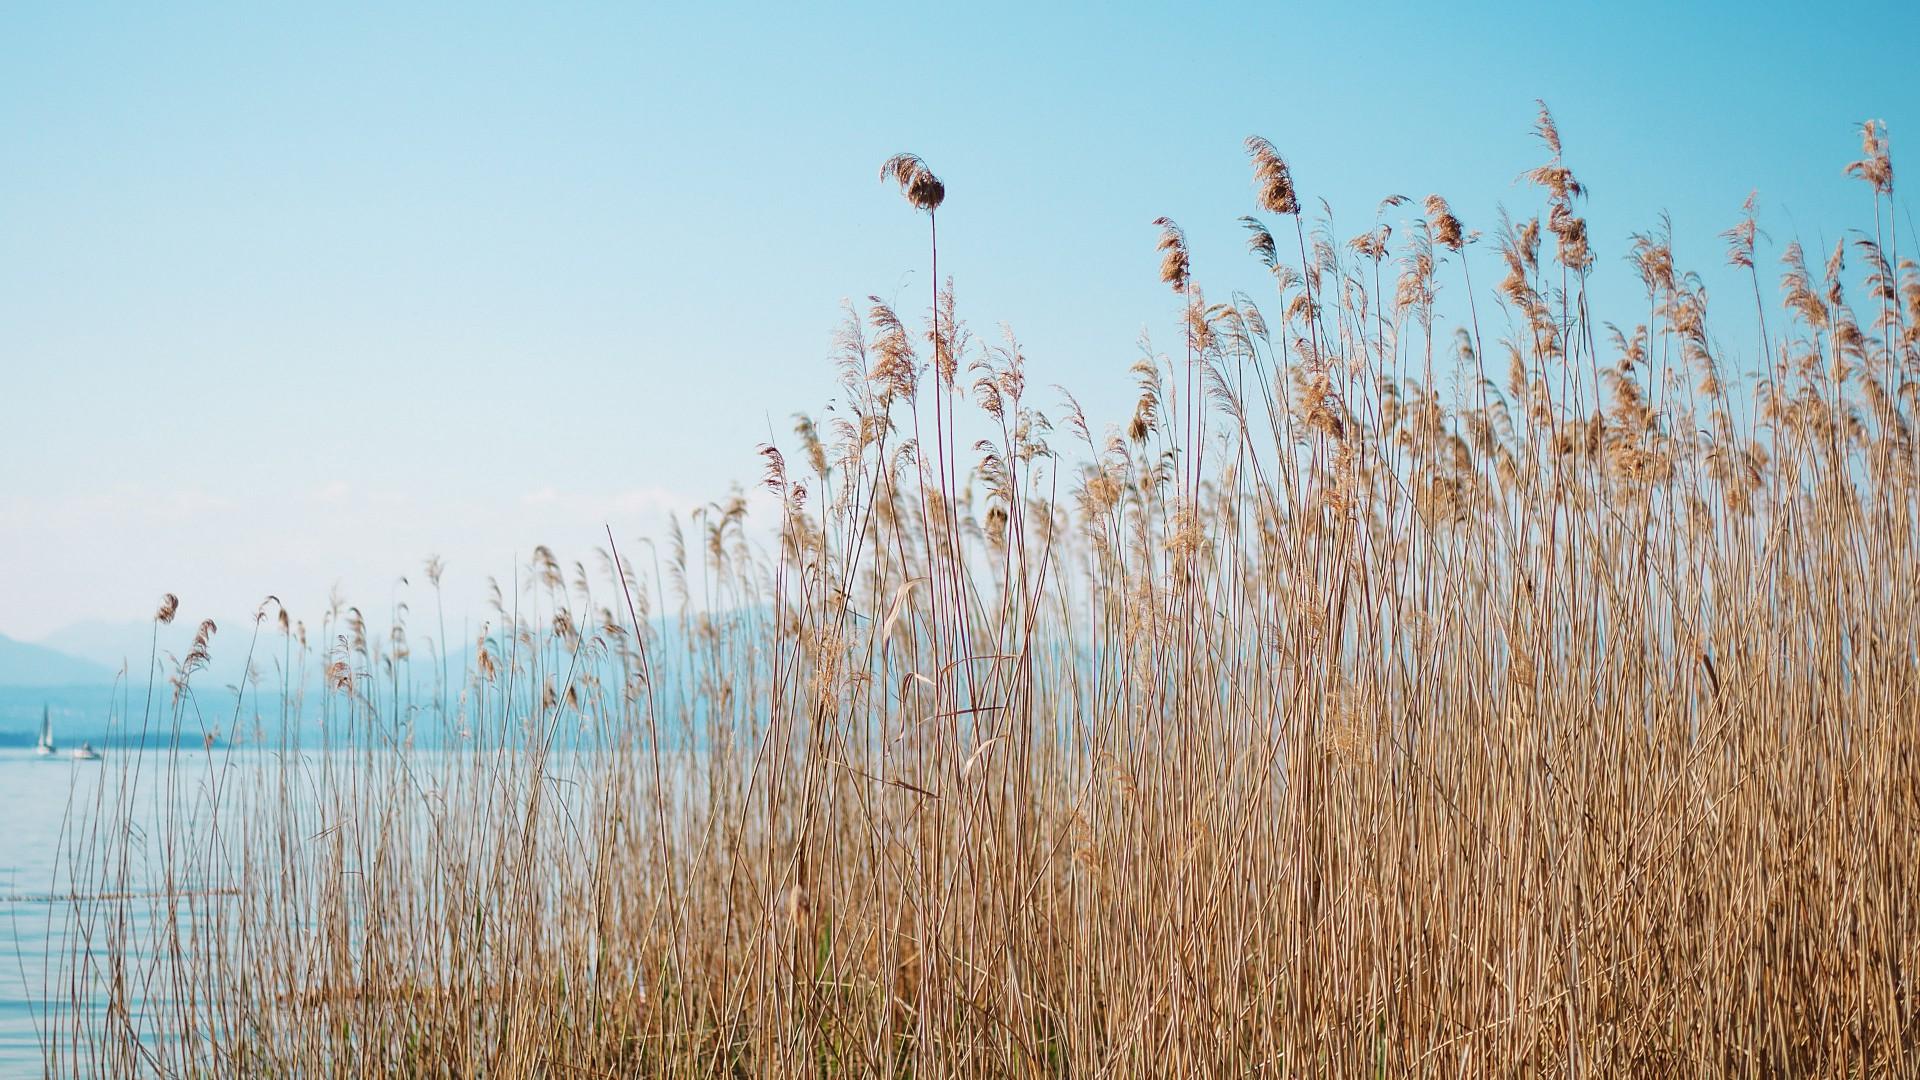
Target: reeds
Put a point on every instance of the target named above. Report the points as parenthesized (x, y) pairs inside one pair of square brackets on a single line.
[(1561, 725)]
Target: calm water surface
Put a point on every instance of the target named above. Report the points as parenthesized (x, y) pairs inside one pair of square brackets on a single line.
[(41, 800), (46, 806)]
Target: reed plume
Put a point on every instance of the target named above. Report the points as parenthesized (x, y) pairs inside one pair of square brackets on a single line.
[(917, 183), (1272, 179)]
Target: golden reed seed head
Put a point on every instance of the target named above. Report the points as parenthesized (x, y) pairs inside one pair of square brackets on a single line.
[(917, 182), (1272, 179), (1372, 244), (1260, 242), (1875, 165), (1447, 231), (1742, 238), (1544, 127), (169, 606), (1175, 264)]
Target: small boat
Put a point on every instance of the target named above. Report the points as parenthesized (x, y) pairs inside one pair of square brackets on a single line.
[(46, 747), (86, 752)]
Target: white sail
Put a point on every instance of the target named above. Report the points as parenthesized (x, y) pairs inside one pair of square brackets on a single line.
[(46, 747)]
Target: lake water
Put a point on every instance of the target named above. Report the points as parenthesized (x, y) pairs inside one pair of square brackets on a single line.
[(46, 808), (39, 800), (46, 805)]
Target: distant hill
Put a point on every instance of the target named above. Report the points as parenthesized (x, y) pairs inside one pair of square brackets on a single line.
[(78, 712), (108, 644), (114, 645), (24, 664)]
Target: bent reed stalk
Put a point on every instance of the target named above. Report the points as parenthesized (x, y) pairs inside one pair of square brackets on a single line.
[(1565, 727)]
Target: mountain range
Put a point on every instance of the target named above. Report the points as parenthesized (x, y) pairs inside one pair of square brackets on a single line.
[(26, 664)]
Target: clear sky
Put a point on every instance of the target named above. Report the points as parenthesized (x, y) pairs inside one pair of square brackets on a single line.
[(291, 295)]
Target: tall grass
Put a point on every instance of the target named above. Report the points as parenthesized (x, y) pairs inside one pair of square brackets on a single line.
[(1313, 721)]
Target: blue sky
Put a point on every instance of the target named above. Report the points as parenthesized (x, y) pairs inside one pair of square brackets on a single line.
[(296, 296)]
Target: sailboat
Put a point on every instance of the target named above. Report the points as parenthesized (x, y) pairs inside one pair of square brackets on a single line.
[(46, 747)]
